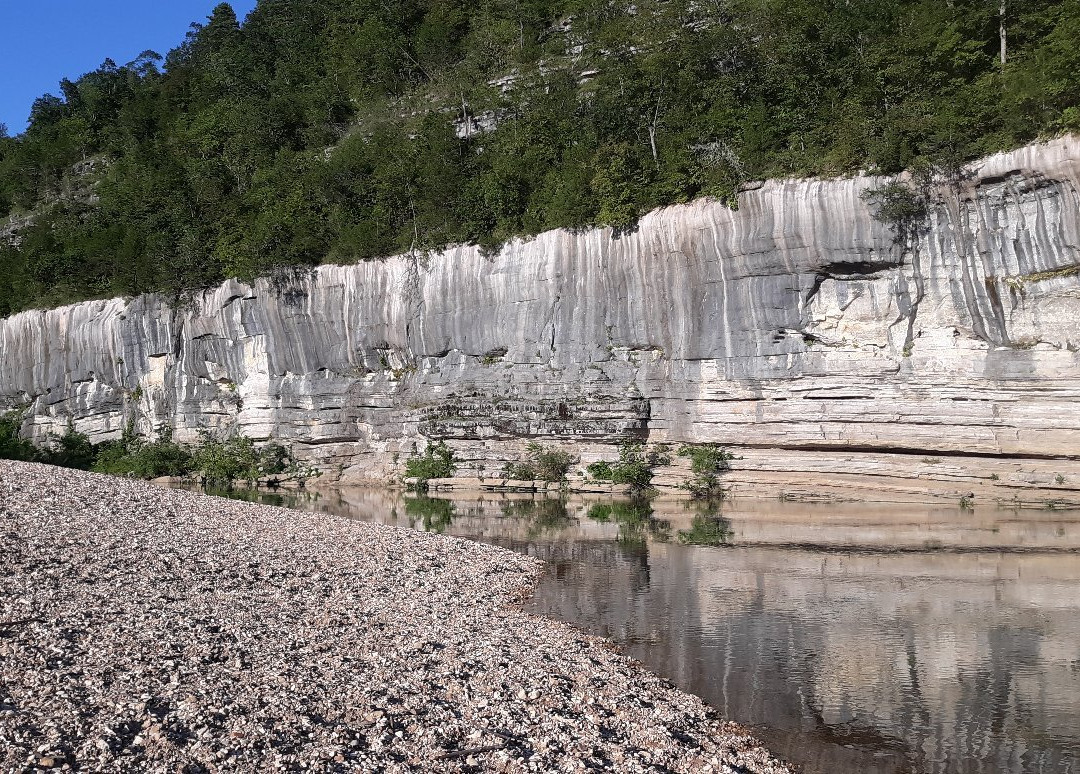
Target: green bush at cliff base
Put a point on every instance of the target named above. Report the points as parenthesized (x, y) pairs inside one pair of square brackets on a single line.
[(218, 462), (707, 462), (70, 450), (634, 466), (12, 445), (136, 457), (543, 463), (239, 459), (437, 461)]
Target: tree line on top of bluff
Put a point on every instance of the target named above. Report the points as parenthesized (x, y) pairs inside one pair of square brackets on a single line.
[(339, 130)]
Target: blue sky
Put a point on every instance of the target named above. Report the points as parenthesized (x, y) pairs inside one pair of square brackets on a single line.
[(42, 41)]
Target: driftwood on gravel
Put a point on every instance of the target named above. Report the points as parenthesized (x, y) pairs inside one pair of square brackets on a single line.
[(198, 634)]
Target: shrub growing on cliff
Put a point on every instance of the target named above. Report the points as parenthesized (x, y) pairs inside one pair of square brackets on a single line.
[(437, 461), (634, 466), (707, 462), (899, 206), (544, 463)]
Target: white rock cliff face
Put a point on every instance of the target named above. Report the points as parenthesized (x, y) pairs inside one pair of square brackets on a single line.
[(797, 323)]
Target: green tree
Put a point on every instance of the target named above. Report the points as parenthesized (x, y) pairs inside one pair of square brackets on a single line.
[(325, 130)]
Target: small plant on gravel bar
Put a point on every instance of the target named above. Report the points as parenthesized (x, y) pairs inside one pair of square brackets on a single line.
[(437, 461)]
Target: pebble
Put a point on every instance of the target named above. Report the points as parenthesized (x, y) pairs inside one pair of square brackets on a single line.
[(153, 630)]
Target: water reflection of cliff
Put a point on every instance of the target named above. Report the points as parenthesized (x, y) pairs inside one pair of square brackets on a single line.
[(959, 656), (935, 661), (959, 653)]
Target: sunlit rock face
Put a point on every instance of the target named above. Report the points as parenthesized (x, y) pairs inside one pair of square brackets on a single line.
[(795, 322)]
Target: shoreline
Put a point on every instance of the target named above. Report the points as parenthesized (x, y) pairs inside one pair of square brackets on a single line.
[(1030, 484), (755, 522), (146, 629)]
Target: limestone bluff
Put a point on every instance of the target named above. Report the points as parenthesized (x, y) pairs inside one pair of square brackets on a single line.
[(796, 329)]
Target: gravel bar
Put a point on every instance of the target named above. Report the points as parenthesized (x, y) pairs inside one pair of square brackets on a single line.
[(151, 630)]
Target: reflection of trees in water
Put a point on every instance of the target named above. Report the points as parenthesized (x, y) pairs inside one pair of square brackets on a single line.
[(544, 515), (865, 675), (435, 514), (707, 530), (635, 519), (708, 527)]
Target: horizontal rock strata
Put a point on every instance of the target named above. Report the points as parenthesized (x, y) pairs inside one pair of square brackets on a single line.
[(797, 322), (150, 630)]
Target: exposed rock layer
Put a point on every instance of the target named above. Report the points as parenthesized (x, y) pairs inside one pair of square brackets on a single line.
[(797, 322)]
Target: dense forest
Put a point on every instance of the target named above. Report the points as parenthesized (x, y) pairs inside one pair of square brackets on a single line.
[(342, 130)]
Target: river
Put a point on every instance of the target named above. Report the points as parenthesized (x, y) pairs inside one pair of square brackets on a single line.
[(849, 637)]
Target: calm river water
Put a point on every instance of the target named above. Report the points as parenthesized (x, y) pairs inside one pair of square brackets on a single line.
[(850, 637)]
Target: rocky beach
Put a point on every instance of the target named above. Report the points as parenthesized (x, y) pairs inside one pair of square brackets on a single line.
[(146, 630)]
